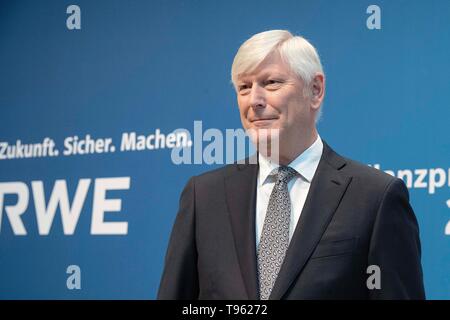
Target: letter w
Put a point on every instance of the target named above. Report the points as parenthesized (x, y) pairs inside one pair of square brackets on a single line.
[(59, 196)]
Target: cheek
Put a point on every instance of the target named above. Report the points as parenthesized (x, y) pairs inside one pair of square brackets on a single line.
[(281, 98), (278, 102), (242, 108), (290, 107)]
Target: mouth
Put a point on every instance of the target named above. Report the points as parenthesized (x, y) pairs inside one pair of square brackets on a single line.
[(263, 122)]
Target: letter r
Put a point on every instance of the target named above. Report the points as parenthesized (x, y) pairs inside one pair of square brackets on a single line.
[(15, 211)]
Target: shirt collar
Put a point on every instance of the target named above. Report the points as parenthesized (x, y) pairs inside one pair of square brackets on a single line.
[(305, 164)]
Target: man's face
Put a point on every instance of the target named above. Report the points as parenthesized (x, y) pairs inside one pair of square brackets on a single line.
[(272, 97)]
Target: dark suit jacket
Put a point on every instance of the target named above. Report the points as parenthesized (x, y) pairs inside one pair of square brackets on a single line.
[(354, 216)]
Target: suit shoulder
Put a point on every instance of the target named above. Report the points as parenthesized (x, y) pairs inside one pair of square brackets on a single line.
[(366, 173), (215, 174), (361, 171)]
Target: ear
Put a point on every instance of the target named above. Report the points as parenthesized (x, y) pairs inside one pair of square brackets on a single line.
[(317, 90)]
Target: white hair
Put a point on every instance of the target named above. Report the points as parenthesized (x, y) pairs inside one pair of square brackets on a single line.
[(296, 51)]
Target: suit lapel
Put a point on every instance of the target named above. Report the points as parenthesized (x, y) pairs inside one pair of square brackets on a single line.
[(240, 188), (326, 191)]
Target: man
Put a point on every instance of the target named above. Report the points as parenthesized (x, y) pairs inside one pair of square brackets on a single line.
[(308, 224)]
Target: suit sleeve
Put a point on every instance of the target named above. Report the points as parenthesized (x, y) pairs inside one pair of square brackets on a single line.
[(395, 247), (180, 278)]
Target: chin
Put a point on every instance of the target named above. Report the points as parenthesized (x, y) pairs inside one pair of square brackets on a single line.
[(264, 137)]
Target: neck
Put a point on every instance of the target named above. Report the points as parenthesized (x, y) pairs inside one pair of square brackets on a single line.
[(289, 151)]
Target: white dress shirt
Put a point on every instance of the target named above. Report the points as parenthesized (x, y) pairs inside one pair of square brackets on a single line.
[(306, 165)]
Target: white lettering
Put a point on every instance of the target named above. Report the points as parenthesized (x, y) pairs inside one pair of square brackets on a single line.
[(419, 183), (15, 211), (59, 198), (74, 20), (74, 281), (374, 20), (101, 205)]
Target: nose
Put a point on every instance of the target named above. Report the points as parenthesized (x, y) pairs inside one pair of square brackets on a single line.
[(257, 97)]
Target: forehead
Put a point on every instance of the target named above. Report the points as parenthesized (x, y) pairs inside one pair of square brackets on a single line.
[(271, 65)]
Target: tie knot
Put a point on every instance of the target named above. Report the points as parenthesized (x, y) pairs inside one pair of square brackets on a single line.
[(284, 174)]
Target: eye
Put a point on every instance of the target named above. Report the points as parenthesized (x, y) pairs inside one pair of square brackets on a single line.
[(273, 83), (243, 88)]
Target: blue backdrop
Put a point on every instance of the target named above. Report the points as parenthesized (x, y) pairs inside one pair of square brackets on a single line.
[(108, 68)]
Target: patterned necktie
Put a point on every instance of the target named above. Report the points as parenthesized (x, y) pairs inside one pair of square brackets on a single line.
[(275, 233)]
